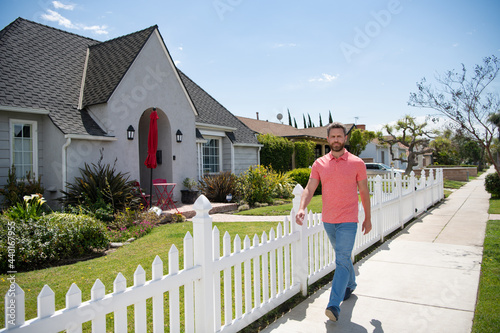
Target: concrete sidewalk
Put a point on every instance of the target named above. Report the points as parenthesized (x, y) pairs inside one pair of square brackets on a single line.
[(423, 280)]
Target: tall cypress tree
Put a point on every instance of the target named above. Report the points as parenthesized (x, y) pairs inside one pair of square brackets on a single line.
[(310, 122), (289, 118), (330, 119), (320, 121), (304, 118), (295, 122)]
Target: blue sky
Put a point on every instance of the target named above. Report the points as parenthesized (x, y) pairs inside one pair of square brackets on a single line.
[(359, 59)]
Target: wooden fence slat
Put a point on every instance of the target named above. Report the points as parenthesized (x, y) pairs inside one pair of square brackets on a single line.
[(73, 300), (120, 315), (238, 291), (97, 293), (158, 308), (189, 287), (174, 298), (140, 319)]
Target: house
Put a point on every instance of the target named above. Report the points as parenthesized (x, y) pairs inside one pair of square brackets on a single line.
[(381, 153), (65, 98)]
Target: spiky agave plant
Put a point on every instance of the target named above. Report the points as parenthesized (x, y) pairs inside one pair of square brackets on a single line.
[(101, 184)]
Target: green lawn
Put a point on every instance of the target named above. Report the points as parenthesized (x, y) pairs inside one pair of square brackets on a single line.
[(487, 314), (315, 205), (124, 260)]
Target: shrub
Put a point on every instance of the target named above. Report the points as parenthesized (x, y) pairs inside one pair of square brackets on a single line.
[(492, 184), (50, 239), (304, 154), (301, 176), (102, 187), (16, 189), (130, 223), (256, 185), (216, 187), (282, 185), (276, 153)]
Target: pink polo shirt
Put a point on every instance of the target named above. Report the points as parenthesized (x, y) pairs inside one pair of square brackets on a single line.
[(339, 177)]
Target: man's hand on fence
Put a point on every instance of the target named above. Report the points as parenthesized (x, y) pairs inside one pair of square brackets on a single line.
[(299, 218)]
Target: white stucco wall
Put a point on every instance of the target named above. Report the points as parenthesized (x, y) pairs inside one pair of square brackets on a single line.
[(150, 82)]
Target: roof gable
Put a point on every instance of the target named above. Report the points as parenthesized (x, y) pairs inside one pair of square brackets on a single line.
[(108, 62)]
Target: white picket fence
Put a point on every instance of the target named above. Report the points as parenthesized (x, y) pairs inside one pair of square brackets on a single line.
[(225, 293)]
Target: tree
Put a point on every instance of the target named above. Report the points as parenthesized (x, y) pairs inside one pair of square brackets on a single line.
[(411, 135), (359, 139), (464, 99), (320, 121), (310, 124), (289, 118), (330, 119), (445, 149), (295, 122), (304, 118)]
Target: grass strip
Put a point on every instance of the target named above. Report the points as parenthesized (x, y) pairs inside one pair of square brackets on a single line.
[(487, 314)]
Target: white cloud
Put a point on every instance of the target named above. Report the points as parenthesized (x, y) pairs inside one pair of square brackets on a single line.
[(324, 78), (54, 16), (58, 5), (99, 30)]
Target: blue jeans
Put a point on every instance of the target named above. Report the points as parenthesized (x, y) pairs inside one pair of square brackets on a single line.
[(342, 236)]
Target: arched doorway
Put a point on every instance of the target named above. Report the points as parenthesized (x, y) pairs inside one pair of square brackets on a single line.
[(164, 167)]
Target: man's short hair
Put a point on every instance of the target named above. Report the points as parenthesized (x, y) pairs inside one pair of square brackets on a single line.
[(335, 124)]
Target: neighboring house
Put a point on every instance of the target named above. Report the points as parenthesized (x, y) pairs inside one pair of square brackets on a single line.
[(64, 98), (316, 134), (380, 153)]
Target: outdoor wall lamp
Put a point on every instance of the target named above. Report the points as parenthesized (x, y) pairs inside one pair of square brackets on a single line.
[(178, 136), (130, 133)]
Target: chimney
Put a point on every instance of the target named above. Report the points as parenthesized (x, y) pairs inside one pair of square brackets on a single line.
[(257, 115)]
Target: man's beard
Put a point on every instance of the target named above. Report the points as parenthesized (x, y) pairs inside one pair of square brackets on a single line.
[(340, 147)]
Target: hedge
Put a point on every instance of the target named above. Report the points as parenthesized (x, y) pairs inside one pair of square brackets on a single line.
[(48, 240)]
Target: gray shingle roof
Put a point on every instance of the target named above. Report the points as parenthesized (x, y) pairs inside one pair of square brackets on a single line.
[(212, 112), (42, 67)]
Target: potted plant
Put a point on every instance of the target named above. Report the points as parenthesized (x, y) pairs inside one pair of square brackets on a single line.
[(191, 193)]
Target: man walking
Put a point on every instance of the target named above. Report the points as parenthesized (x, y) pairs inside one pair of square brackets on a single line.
[(341, 174)]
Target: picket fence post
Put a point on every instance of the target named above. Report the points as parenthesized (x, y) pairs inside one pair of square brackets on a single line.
[(378, 200), (202, 239), (399, 191), (300, 255), (413, 187)]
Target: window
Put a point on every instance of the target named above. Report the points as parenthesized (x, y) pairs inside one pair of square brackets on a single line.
[(317, 151), (23, 136), (211, 156)]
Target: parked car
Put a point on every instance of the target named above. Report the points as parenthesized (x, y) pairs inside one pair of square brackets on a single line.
[(373, 169)]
